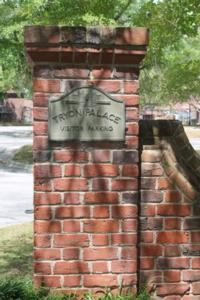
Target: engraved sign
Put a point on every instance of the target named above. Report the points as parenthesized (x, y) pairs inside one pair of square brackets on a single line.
[(86, 114)]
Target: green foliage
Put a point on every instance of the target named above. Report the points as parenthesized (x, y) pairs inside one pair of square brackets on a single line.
[(22, 289), (24, 155), (170, 71)]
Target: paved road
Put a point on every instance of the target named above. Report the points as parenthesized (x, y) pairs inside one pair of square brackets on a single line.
[(16, 187), (16, 195)]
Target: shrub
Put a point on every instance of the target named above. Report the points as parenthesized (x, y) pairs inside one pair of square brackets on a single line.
[(24, 155)]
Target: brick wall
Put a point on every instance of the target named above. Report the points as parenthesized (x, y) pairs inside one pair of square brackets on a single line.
[(169, 212), (85, 194)]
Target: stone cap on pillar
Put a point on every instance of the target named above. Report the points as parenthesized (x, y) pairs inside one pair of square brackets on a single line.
[(55, 43)]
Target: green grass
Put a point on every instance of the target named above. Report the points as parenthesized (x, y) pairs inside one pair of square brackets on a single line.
[(16, 245), (24, 155)]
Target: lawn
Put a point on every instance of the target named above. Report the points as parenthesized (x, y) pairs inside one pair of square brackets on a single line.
[(16, 250)]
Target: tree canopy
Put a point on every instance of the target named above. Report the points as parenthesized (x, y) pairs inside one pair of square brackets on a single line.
[(171, 70)]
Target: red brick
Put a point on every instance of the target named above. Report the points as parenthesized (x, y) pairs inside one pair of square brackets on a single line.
[(172, 251), (71, 254), (151, 196), (129, 253), (131, 142), (151, 169), (123, 239), (130, 100), (181, 210), (148, 210), (172, 223), (100, 239), (196, 288), (71, 240), (172, 289), (47, 226), (148, 183), (42, 213), (124, 184), (42, 185), (173, 263), (71, 72), (124, 211), (47, 281), (172, 196), (47, 171), (101, 156), (100, 267), (40, 114), (153, 276), (164, 183), (100, 253), (96, 170), (101, 73), (72, 212), (124, 266), (47, 254), (101, 197), (130, 170), (103, 280), (196, 263), (172, 276), (101, 212), (195, 236), (146, 237), (42, 268), (109, 86), (191, 275), (129, 225), (44, 85), (172, 298), (190, 298), (40, 99), (101, 226), (72, 170), (70, 156), (129, 280), (47, 198), (72, 281), (40, 143), (43, 241), (132, 114), (132, 129), (151, 156), (131, 87), (151, 250), (71, 226), (174, 237), (40, 128), (71, 184), (100, 184), (146, 263), (72, 198), (75, 267)]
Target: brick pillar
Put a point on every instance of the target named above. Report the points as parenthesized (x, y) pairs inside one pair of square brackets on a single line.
[(85, 193)]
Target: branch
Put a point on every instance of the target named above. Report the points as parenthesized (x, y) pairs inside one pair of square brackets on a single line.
[(123, 10)]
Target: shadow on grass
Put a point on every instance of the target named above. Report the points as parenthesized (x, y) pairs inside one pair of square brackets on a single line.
[(16, 247)]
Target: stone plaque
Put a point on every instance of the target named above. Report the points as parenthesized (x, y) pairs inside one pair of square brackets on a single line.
[(86, 114)]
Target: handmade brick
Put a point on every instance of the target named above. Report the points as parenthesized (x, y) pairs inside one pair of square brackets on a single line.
[(101, 226), (181, 210), (72, 212), (124, 211), (101, 212), (100, 267), (102, 280), (42, 213), (71, 226), (71, 240), (72, 281), (44, 85), (70, 156), (75, 267), (71, 254), (101, 197), (123, 239), (174, 237), (124, 266), (72, 170), (100, 239), (42, 268), (47, 227), (101, 170), (64, 184), (124, 184), (47, 198), (47, 254), (71, 198), (130, 170), (107, 253)]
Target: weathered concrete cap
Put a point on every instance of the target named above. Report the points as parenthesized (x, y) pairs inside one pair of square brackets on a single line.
[(132, 38)]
